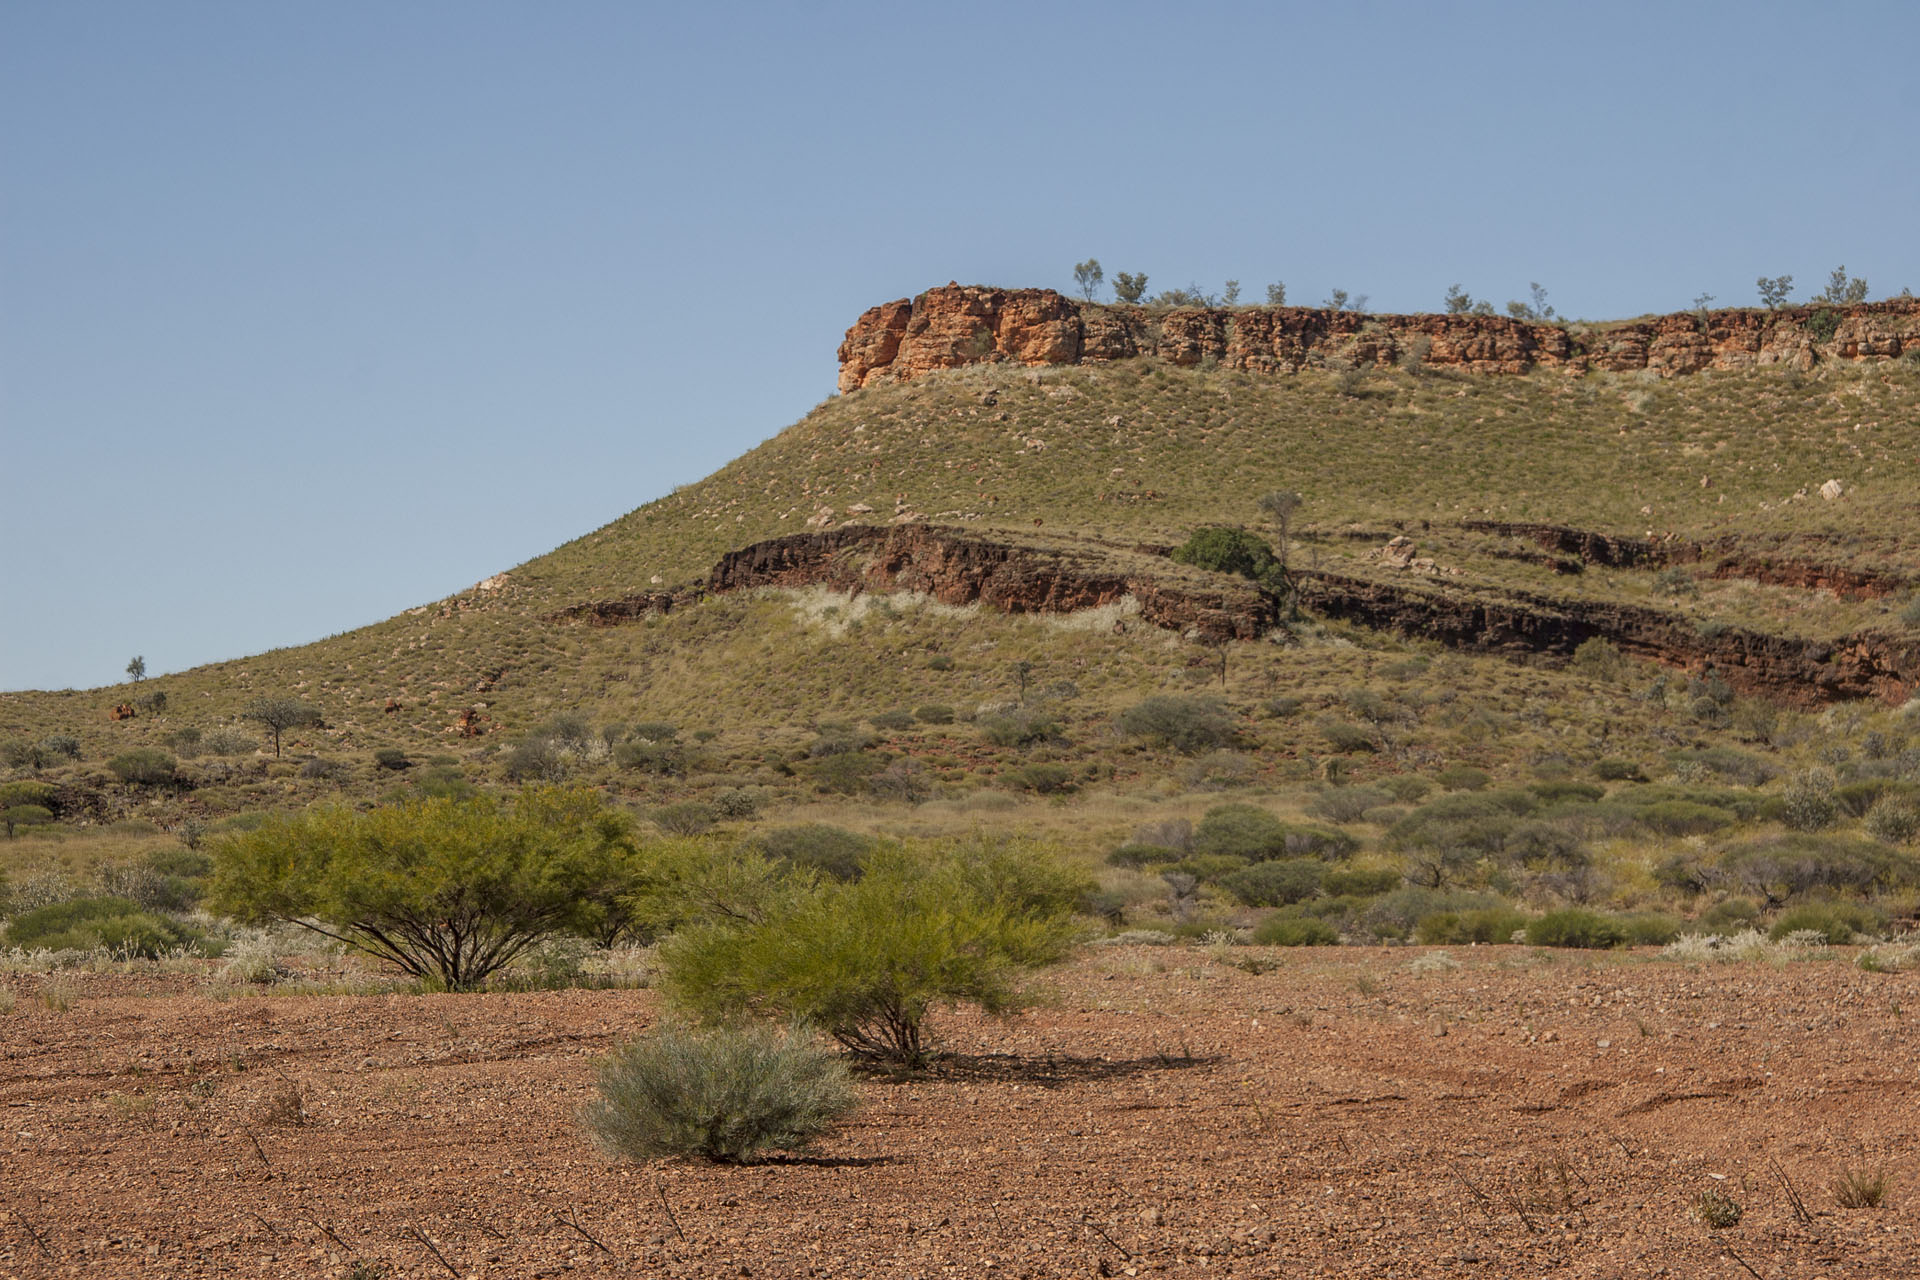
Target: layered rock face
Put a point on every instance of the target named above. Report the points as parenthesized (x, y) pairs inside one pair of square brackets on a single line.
[(957, 567), (959, 325)]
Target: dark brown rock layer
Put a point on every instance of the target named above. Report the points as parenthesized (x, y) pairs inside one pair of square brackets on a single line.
[(958, 567), (962, 567), (1784, 669)]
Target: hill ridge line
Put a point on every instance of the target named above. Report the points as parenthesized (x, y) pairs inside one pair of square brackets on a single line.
[(956, 325)]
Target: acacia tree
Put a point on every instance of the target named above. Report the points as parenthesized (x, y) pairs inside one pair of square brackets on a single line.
[(137, 669), (1774, 291), (1843, 289), (1280, 506), (279, 714), (867, 960), (1087, 276), (445, 890), (1130, 288)]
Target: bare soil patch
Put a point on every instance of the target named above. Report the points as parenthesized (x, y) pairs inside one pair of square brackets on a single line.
[(1339, 1113)]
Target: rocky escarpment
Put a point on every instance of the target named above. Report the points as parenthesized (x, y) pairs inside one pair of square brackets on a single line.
[(959, 325), (1724, 558), (959, 567), (1787, 669), (1064, 575)]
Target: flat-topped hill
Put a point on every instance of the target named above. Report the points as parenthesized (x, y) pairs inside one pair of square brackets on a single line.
[(959, 325)]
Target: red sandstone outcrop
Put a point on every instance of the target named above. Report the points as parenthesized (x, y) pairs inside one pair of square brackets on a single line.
[(958, 325)]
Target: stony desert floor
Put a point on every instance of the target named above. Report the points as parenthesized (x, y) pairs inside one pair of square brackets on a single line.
[(1338, 1112)]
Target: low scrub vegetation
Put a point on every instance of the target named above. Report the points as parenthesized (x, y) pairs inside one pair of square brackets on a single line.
[(727, 1095)]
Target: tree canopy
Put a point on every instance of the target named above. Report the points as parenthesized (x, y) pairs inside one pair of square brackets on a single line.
[(447, 890)]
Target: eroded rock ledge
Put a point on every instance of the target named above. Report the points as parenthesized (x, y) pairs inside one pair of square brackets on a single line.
[(960, 567), (1065, 575), (959, 325)]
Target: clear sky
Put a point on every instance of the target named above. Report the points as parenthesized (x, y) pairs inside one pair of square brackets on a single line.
[(310, 313)]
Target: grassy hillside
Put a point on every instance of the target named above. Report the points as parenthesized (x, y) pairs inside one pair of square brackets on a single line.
[(897, 714)]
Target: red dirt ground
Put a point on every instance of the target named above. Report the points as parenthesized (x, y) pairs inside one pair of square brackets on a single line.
[(1339, 1114)]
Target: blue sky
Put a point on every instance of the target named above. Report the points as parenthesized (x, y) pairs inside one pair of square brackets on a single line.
[(312, 313)]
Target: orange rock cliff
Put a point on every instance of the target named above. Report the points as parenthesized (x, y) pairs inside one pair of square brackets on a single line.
[(958, 325)]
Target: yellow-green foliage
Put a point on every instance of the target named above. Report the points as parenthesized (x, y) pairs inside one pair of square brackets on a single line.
[(445, 890), (867, 959)]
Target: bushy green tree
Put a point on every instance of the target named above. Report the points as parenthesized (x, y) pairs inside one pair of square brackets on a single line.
[(1774, 291), (1129, 288), (1188, 725), (145, 767), (1843, 289), (446, 890), (1228, 550), (867, 960)]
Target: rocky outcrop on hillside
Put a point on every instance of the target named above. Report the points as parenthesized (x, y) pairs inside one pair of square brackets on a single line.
[(1063, 575), (959, 325), (959, 567), (1786, 669)]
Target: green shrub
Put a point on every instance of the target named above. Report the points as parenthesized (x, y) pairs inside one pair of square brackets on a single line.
[(15, 816), (1021, 727), (1459, 928), (1406, 788), (1682, 818), (1210, 867), (1295, 931), (1225, 550), (726, 1095), (1809, 804), (1836, 922), (685, 818), (1730, 763), (1576, 927), (1894, 821), (830, 850), (1616, 769), (662, 759), (392, 759), (1781, 867), (1041, 779), (538, 759), (1354, 883), (1857, 798), (1463, 777), (1275, 884), (1650, 928), (449, 891), (1536, 843), (1567, 792), (893, 721), (81, 924), (1348, 738), (934, 713), (326, 770), (1143, 855), (145, 767), (1241, 831), (1598, 659), (1189, 725), (1730, 915), (868, 960)]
